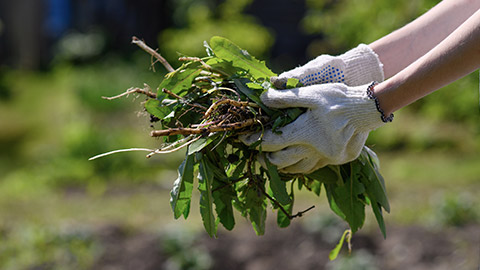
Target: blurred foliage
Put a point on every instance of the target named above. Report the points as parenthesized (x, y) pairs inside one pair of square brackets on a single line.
[(53, 122), (346, 23), (35, 247), (454, 209), (197, 21)]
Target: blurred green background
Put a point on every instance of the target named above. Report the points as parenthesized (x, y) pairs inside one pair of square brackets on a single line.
[(60, 211)]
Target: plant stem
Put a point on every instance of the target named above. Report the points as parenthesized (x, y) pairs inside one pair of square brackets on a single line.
[(153, 53), (210, 129), (129, 91)]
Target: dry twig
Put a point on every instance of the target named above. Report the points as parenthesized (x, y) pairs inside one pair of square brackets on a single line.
[(153, 53)]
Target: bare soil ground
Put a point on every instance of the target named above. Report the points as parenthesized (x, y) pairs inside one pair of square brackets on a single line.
[(413, 248)]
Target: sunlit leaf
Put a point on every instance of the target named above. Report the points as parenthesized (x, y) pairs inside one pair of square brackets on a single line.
[(181, 194), (227, 50)]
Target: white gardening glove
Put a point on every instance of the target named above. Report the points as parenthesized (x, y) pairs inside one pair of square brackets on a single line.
[(358, 66), (333, 130)]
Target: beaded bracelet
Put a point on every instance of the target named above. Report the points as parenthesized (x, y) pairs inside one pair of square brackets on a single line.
[(370, 94)]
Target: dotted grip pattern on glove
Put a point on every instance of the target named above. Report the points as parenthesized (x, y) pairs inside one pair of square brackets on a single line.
[(358, 66)]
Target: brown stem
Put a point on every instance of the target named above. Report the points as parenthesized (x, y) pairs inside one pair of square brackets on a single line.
[(143, 91), (210, 129), (153, 53), (229, 102), (170, 93), (299, 214), (196, 59)]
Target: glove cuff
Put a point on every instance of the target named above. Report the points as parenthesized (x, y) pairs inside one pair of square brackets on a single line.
[(362, 110), (362, 66)]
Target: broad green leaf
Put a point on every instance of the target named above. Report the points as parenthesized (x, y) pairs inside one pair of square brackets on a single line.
[(239, 202), (222, 197), (181, 194), (331, 200), (155, 108), (227, 50), (179, 81), (283, 220), (377, 210), (325, 175), (222, 66), (252, 203), (346, 197), (376, 184), (200, 144), (278, 187), (257, 210), (334, 253), (205, 180)]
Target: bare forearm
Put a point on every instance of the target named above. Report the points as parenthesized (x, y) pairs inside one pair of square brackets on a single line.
[(456, 56), (402, 47)]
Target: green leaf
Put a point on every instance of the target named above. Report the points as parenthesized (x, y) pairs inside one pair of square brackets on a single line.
[(325, 175), (181, 194), (313, 185), (377, 210), (180, 80), (334, 253), (227, 50), (278, 187), (257, 210), (376, 184), (255, 86), (205, 180), (222, 197), (222, 66), (346, 197), (293, 83), (236, 170), (155, 108), (200, 144), (331, 200), (255, 97), (283, 220), (252, 203)]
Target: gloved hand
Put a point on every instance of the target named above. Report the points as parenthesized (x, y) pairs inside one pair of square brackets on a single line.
[(358, 66), (333, 130)]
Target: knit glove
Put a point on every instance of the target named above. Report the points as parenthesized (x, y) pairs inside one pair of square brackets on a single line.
[(333, 130), (358, 66)]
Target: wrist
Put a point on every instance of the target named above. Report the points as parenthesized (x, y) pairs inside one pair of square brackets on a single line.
[(383, 92), (362, 110), (362, 66)]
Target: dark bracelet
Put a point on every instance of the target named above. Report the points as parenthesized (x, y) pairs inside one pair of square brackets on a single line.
[(370, 94)]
